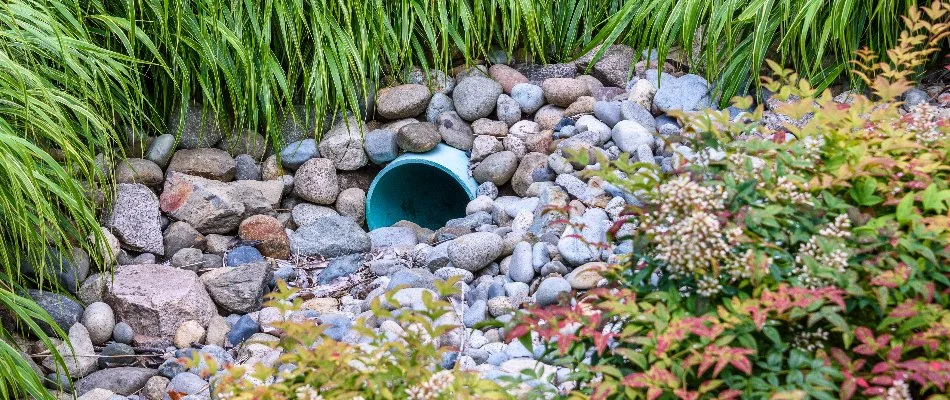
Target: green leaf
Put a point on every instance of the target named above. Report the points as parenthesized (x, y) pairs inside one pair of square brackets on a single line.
[(863, 192), (905, 209)]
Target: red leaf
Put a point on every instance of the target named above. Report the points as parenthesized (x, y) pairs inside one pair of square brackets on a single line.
[(653, 393)]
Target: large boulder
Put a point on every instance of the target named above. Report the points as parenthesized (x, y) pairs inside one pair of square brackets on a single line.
[(343, 144), (331, 236), (239, 289), (403, 101), (135, 219), (155, 299)]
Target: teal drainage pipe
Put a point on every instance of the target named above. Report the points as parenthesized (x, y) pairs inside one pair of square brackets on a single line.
[(426, 188)]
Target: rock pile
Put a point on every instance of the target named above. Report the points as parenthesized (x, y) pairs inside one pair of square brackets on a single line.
[(202, 228)]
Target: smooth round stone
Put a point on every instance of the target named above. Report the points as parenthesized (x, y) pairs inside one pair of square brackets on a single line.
[(123, 333), (138, 170), (476, 97), (352, 203), (550, 288), (520, 268), (508, 110), (498, 306), (553, 267), (243, 255), (99, 320), (529, 97), (608, 112), (305, 214), (474, 251), (418, 137), (508, 77), (455, 131), (445, 273), (586, 276), (439, 104), (403, 101), (497, 168), (563, 91), (316, 181), (297, 153), (247, 168), (628, 135), (475, 313), (380, 146)]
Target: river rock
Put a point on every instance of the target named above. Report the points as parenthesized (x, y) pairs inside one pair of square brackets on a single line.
[(475, 97), (180, 235), (208, 205), (522, 178), (124, 381), (199, 128), (305, 214), (613, 67), (295, 154), (65, 311), (139, 170), (78, 353), (529, 97), (629, 135), (688, 93), (380, 146), (403, 101), (439, 104), (497, 168), (455, 131), (506, 76), (563, 91), (418, 137), (316, 181), (474, 251), (99, 321), (550, 288), (352, 203)]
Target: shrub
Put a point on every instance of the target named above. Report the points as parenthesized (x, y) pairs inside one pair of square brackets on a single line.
[(382, 365), (806, 263)]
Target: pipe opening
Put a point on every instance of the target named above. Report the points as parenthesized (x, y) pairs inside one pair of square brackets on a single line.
[(418, 192)]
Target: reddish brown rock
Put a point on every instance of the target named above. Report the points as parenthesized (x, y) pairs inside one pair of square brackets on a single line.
[(508, 77), (270, 232)]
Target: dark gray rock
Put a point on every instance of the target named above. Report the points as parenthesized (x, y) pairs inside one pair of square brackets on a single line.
[(238, 289), (339, 267), (380, 146), (65, 311), (550, 288), (331, 236), (123, 380), (198, 128), (134, 218), (246, 168)]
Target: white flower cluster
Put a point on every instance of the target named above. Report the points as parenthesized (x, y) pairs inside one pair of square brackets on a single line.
[(793, 193), (923, 123), (899, 390), (433, 388), (812, 146), (307, 392), (809, 341), (708, 286), (833, 256)]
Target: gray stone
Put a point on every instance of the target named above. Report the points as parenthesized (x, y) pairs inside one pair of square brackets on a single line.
[(180, 235), (520, 268), (99, 320), (403, 101), (484, 146), (137, 170), (316, 181), (553, 267), (380, 146), (123, 333), (475, 313), (628, 135), (635, 112), (343, 144), (497, 168), (537, 73), (352, 203), (208, 205), (392, 236), (199, 128), (688, 93), (340, 267), (305, 214), (613, 67), (156, 299), (418, 137), (246, 168), (455, 131), (439, 104), (529, 97), (78, 353), (487, 189), (135, 218), (330, 236), (508, 110), (476, 97), (474, 251), (414, 277), (161, 150), (471, 221), (540, 255), (550, 288), (437, 81), (608, 112), (915, 96), (238, 289), (123, 380), (522, 179), (246, 142), (65, 311), (208, 163), (188, 258), (189, 384), (449, 272), (295, 154), (116, 355)]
